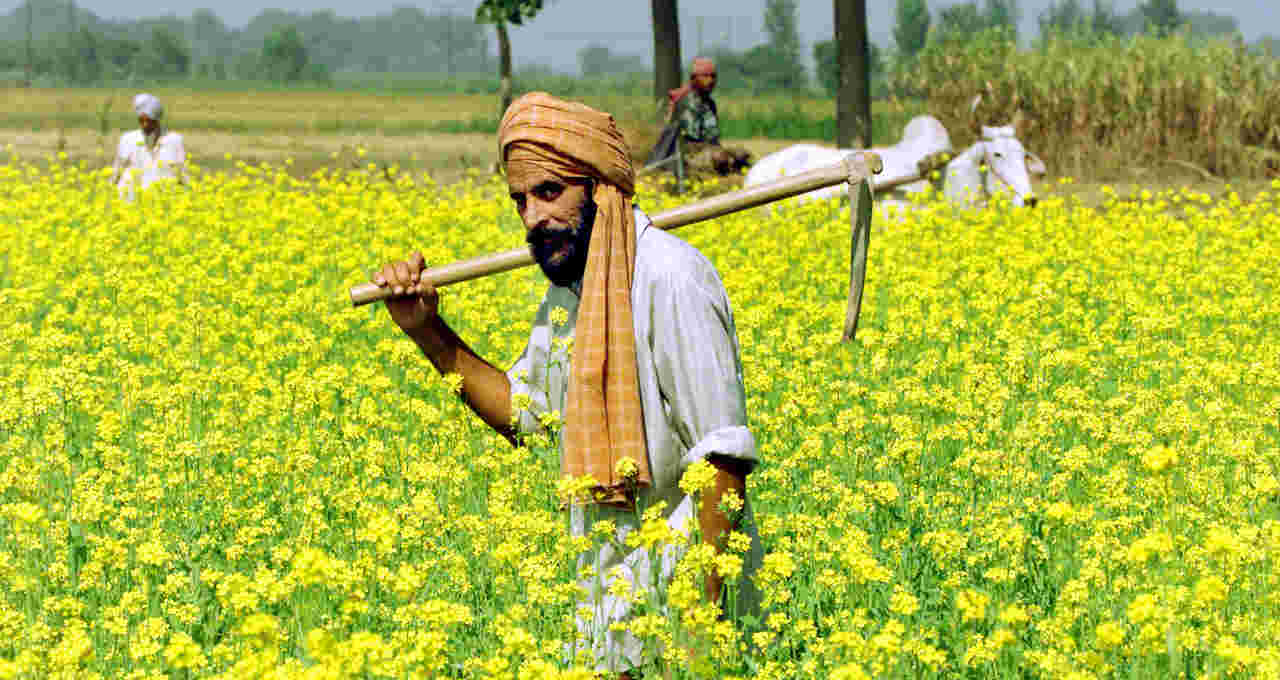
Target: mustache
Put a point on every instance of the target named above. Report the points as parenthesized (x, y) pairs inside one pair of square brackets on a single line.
[(543, 236)]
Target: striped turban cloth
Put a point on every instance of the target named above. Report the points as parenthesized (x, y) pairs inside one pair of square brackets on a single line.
[(603, 420)]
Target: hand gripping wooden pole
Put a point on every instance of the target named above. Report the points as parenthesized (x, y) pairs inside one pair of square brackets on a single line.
[(856, 169)]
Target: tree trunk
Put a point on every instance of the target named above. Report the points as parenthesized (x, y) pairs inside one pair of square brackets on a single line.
[(667, 72), (504, 66), (853, 96)]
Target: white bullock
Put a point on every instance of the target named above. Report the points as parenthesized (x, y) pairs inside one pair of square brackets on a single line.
[(1008, 169), (1006, 162)]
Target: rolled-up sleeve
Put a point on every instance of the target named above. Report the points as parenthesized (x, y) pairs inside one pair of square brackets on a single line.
[(695, 352)]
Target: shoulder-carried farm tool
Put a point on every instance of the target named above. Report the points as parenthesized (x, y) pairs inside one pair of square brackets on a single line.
[(856, 170)]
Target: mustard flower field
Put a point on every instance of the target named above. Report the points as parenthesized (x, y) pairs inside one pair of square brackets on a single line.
[(1053, 450)]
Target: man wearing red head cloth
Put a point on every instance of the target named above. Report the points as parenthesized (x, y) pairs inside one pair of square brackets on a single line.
[(692, 107), (653, 384), (693, 117)]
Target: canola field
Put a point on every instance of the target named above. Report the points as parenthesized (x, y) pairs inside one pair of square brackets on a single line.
[(1053, 450)]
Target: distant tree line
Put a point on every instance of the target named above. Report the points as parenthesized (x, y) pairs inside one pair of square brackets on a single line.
[(598, 60), (776, 64), (1072, 18), (916, 29), (55, 40), (72, 45)]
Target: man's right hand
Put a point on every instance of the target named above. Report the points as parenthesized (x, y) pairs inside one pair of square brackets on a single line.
[(415, 303)]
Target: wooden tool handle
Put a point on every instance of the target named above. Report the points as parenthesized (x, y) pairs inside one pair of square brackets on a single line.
[(856, 167)]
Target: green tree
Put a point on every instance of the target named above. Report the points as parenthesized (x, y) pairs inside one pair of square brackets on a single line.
[(593, 60), (500, 13), (598, 60), (165, 55), (1003, 14), (284, 56), (27, 52), (1063, 17), (826, 65), (786, 72), (960, 23), (1161, 16), (1070, 18), (749, 70), (911, 27), (1105, 21), (87, 55), (1268, 45), (965, 21), (207, 31), (1209, 24), (120, 56)]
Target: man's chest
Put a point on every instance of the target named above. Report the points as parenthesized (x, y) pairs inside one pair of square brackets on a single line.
[(140, 154), (704, 114)]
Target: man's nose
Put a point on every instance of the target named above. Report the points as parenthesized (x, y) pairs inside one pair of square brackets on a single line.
[(535, 215)]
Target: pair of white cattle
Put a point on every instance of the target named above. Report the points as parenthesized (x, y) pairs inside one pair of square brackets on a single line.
[(996, 163)]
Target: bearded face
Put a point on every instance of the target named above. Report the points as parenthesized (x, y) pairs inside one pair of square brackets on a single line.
[(561, 249), (148, 125), (705, 82)]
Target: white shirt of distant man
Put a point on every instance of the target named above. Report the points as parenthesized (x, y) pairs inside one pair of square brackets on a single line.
[(149, 154)]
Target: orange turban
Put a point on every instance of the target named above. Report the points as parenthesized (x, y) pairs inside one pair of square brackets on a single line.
[(604, 421)]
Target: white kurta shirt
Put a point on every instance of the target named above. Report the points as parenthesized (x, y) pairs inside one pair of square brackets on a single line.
[(141, 166), (694, 403)]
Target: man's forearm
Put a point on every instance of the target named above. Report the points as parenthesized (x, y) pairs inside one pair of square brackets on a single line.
[(485, 389), (731, 475)]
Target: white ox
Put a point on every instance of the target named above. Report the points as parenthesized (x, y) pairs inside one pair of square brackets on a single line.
[(1007, 164)]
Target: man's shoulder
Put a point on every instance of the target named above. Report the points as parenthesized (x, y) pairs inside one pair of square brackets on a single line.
[(688, 102), (131, 137), (694, 100), (668, 259), (703, 100)]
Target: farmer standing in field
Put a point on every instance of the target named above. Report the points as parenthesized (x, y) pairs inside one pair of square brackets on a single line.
[(149, 154), (693, 115), (654, 380)]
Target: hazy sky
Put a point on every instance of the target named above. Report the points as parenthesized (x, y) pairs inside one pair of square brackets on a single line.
[(564, 26)]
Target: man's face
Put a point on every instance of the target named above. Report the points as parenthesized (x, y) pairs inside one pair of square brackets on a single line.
[(557, 215), (705, 82), (147, 124)]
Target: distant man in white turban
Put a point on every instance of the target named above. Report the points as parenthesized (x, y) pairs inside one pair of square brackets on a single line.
[(149, 154)]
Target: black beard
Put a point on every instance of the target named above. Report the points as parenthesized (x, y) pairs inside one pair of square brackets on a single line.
[(545, 243)]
